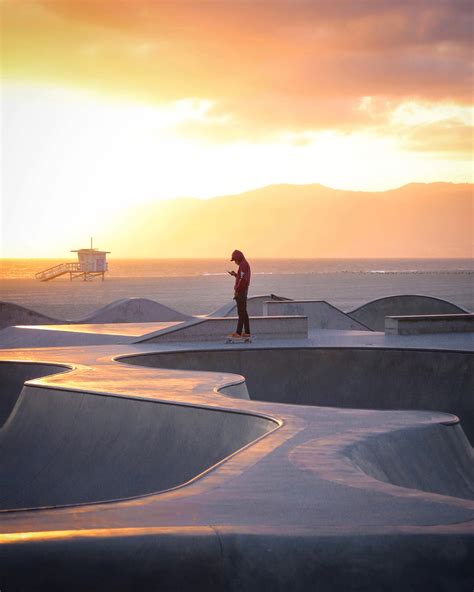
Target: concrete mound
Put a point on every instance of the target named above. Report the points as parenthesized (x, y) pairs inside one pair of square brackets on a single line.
[(134, 310), (373, 314), (126, 310), (14, 314)]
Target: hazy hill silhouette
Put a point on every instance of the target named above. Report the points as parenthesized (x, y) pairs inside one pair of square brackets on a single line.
[(417, 220)]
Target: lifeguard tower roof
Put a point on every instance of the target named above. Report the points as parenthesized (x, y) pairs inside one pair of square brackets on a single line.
[(96, 251)]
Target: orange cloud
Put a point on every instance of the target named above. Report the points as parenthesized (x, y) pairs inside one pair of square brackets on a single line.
[(268, 67), (449, 136)]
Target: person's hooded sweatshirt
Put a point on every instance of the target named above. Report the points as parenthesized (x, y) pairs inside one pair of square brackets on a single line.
[(242, 281)]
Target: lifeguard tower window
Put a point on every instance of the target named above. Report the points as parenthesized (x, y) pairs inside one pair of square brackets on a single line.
[(91, 263)]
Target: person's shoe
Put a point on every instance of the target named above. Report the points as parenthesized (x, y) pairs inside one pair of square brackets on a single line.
[(235, 336), (246, 335)]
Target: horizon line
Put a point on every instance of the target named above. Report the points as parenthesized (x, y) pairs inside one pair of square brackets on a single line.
[(257, 258)]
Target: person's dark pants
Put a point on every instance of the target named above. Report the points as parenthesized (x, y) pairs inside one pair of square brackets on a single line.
[(241, 299)]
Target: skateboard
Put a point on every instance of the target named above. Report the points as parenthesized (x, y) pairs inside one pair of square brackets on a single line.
[(238, 340)]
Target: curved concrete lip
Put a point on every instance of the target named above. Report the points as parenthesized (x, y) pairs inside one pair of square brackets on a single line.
[(221, 386), (138, 496), (297, 480)]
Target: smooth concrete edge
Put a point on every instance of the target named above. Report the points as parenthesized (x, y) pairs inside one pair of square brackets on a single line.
[(237, 390), (421, 324)]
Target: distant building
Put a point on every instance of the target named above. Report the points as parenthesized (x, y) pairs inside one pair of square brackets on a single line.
[(92, 263), (92, 260)]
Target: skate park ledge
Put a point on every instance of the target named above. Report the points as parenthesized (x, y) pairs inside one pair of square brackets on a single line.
[(217, 328), (418, 324)]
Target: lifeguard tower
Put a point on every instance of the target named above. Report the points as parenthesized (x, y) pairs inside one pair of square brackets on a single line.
[(92, 263)]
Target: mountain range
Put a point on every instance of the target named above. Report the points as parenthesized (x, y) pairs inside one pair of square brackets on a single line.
[(416, 220)]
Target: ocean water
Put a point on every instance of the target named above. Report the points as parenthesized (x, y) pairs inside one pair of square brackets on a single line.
[(149, 268), (198, 286)]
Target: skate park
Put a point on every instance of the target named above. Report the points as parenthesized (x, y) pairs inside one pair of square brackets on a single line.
[(165, 458)]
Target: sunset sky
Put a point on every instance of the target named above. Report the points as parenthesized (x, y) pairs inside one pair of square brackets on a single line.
[(108, 104)]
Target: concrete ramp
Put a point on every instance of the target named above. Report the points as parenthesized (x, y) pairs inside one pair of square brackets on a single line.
[(373, 313), (321, 314), (12, 377), (64, 447), (433, 458)]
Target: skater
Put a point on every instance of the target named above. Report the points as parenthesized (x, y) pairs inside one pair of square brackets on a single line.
[(241, 287)]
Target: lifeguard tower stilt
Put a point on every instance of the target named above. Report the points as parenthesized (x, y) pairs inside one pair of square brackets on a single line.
[(92, 263)]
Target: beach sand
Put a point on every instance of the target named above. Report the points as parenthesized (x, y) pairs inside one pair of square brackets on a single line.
[(203, 294)]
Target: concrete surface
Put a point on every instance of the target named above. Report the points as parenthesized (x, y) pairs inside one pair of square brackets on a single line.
[(321, 314), (373, 313), (330, 499), (416, 324)]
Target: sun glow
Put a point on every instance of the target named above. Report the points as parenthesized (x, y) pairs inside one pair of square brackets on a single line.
[(77, 160)]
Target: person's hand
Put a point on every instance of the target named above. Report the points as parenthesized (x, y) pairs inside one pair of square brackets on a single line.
[(233, 273)]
